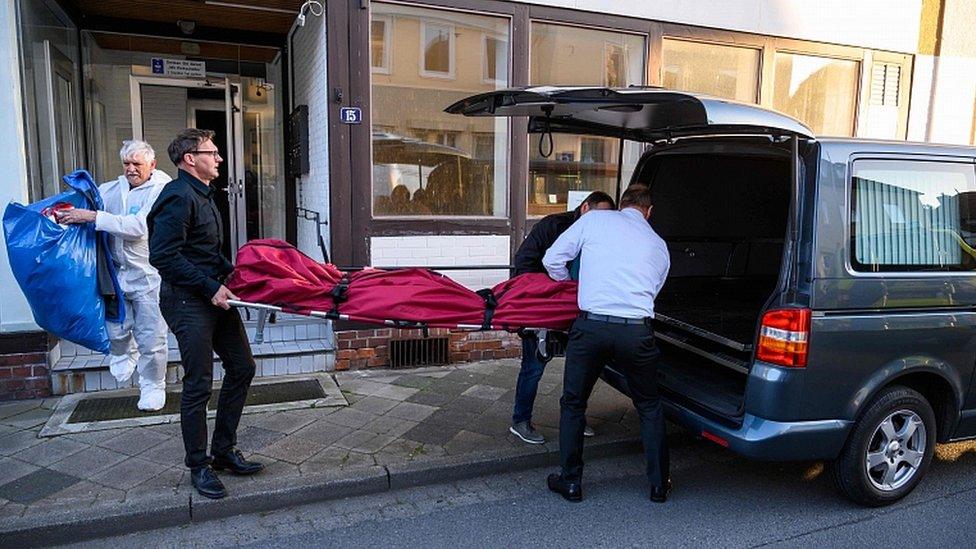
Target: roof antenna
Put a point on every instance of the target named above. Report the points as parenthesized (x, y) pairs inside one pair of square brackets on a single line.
[(546, 133)]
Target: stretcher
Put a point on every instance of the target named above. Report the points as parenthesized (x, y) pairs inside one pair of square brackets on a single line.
[(272, 276)]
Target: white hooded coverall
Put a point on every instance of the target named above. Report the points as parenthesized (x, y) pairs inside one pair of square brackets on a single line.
[(124, 218)]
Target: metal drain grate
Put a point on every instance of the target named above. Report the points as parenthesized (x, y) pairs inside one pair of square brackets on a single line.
[(124, 407), (409, 353)]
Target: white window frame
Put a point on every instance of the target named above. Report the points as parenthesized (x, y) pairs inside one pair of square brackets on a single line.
[(449, 75), (387, 52), (484, 61)]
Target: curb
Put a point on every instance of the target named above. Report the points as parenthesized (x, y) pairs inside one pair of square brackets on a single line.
[(90, 522)]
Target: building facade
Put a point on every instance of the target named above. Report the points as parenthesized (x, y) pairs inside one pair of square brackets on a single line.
[(331, 114)]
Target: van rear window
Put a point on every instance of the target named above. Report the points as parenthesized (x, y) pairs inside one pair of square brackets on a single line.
[(913, 216)]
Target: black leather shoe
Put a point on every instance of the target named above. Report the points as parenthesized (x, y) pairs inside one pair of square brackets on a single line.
[(660, 495), (234, 462), (571, 491), (207, 483)]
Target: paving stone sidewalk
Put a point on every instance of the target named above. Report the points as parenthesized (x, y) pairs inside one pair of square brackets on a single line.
[(394, 418)]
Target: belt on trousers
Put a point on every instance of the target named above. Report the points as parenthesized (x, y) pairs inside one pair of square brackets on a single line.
[(646, 321)]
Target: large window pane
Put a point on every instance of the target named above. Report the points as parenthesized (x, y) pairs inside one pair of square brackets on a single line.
[(819, 91), (427, 162), (562, 55), (913, 216), (723, 71), (51, 77)]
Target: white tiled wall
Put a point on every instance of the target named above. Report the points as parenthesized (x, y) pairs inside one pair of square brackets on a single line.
[(399, 251), (293, 345), (311, 88)]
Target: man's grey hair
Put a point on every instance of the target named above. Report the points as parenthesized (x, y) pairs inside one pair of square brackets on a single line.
[(186, 141), (133, 147)]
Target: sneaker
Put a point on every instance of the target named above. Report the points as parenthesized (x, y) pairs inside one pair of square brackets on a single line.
[(525, 431), (587, 432)]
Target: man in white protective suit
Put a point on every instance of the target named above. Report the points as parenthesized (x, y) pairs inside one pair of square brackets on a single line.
[(128, 200)]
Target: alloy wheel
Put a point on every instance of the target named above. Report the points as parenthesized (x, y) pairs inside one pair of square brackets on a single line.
[(896, 450)]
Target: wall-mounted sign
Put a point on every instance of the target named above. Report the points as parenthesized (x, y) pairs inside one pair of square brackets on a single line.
[(350, 115), (179, 67)]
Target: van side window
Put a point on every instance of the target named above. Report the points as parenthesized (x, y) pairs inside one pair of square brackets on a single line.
[(913, 216)]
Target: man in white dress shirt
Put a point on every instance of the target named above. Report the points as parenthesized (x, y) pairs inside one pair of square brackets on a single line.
[(128, 200), (623, 265)]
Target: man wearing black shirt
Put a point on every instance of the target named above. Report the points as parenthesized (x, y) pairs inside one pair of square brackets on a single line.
[(528, 259), (185, 238)]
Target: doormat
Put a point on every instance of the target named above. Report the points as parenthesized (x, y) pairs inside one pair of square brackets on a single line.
[(84, 412), (124, 407)]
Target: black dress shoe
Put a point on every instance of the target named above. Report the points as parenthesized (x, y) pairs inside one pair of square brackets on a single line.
[(571, 491), (207, 483), (234, 462), (660, 495)]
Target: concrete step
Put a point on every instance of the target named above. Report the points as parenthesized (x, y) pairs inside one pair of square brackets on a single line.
[(291, 345), (96, 377)]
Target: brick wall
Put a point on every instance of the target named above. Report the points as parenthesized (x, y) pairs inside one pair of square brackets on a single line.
[(24, 375), (24, 365), (359, 349)]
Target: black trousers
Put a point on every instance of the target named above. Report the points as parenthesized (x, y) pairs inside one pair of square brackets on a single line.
[(202, 329), (632, 350)]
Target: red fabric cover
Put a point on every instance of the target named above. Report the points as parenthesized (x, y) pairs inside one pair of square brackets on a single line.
[(415, 295), (273, 272), (535, 300)]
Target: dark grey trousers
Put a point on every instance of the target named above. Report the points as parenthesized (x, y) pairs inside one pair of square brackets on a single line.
[(632, 351)]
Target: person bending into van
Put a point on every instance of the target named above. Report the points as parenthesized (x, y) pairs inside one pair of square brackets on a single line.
[(128, 200), (623, 266), (185, 237), (528, 259)]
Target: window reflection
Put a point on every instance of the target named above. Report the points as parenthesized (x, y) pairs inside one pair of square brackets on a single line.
[(438, 45), (913, 216), (562, 55), (819, 91), (379, 44), (730, 72)]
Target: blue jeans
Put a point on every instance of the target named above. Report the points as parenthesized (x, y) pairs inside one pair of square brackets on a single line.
[(528, 379)]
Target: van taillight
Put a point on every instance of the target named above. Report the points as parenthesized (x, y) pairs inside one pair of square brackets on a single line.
[(783, 337)]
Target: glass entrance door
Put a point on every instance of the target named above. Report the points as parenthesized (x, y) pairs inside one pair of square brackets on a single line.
[(161, 108)]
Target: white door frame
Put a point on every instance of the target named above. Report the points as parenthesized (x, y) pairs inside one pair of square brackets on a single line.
[(234, 157), (235, 179)]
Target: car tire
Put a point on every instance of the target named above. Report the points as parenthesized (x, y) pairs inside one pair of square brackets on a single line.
[(881, 437)]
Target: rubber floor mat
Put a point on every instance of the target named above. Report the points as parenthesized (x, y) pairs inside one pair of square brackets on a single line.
[(124, 407)]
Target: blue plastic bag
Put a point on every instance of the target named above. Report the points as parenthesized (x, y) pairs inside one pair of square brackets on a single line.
[(57, 266)]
